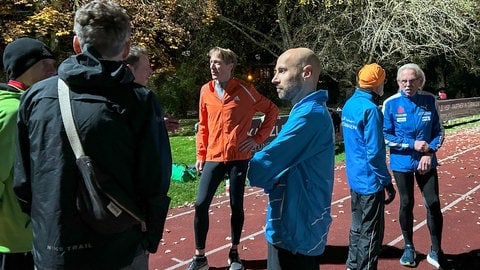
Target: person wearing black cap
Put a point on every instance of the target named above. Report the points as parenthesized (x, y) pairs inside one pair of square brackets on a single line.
[(26, 61)]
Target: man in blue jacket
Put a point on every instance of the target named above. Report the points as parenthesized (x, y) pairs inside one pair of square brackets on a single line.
[(367, 172), (296, 168), (414, 133)]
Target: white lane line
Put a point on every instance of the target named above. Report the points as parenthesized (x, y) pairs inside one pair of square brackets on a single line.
[(448, 207), (342, 200), (220, 248), (421, 224), (212, 205), (459, 153)]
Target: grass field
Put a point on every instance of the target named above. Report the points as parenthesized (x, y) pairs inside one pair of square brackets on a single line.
[(183, 151)]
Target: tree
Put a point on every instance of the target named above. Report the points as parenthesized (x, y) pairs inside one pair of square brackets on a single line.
[(158, 25), (349, 33)]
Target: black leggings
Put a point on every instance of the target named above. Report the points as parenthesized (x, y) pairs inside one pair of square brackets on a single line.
[(428, 184), (212, 175)]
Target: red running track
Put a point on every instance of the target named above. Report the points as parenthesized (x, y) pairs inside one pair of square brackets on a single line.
[(459, 190)]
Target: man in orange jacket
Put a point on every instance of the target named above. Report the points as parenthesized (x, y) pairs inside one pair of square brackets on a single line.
[(226, 108)]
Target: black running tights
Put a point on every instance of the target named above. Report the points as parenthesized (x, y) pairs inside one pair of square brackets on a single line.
[(213, 174), (428, 185)]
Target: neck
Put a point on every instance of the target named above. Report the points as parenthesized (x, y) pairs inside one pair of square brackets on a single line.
[(222, 84)]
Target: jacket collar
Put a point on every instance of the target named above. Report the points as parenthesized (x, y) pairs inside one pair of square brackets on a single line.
[(13, 86), (89, 70)]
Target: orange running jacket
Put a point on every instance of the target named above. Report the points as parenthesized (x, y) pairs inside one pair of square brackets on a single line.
[(224, 123)]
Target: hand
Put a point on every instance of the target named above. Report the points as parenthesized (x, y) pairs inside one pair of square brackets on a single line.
[(425, 164), (421, 146), (199, 166), (248, 145), (390, 193)]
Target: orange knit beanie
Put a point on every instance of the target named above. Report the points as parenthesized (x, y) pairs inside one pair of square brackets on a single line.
[(370, 76)]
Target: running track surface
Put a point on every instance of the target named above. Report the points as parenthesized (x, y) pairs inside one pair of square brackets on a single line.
[(459, 175)]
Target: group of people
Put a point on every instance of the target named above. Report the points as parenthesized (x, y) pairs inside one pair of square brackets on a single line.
[(296, 168), (122, 127), (409, 124)]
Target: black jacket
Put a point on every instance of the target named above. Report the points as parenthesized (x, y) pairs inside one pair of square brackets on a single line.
[(121, 127)]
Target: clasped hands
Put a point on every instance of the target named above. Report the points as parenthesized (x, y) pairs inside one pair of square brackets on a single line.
[(425, 163)]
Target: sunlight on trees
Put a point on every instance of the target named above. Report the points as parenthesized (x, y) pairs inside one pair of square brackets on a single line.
[(345, 34)]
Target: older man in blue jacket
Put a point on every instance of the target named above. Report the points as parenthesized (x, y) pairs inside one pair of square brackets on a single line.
[(414, 133), (296, 168)]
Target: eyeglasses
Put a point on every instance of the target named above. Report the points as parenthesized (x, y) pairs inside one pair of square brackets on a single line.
[(408, 81)]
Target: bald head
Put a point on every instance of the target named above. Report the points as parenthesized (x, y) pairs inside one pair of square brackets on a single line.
[(296, 73), (301, 58)]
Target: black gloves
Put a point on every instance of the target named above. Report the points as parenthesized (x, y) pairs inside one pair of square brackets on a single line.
[(390, 193)]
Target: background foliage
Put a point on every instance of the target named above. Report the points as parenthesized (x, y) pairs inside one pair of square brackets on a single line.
[(440, 35)]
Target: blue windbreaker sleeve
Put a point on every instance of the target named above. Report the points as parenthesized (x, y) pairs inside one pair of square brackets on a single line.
[(291, 146), (389, 132), (375, 145), (438, 132)]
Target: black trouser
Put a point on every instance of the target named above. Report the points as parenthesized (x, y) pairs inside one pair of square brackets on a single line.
[(212, 175), (282, 259), (428, 184), (16, 261), (366, 231)]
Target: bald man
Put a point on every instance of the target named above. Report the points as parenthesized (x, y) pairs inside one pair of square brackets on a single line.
[(296, 168)]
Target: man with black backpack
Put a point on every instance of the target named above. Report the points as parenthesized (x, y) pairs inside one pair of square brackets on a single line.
[(121, 128)]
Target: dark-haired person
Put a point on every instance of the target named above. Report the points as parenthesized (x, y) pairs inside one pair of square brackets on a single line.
[(139, 63)]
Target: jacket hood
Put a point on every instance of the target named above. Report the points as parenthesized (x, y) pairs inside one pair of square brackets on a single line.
[(87, 69)]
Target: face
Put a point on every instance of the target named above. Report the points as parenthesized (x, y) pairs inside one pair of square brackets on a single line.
[(220, 70), (43, 69), (141, 70), (408, 82), (379, 89), (287, 78)]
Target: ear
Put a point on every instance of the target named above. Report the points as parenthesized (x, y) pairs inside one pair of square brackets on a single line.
[(307, 71), (76, 45), (126, 50)]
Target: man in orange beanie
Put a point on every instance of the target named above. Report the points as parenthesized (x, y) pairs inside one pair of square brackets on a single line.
[(367, 173)]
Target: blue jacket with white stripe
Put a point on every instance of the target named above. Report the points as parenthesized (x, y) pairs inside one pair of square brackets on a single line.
[(296, 170), (408, 119)]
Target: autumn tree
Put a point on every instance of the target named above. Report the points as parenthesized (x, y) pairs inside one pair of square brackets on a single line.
[(164, 27), (158, 25), (349, 33)]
